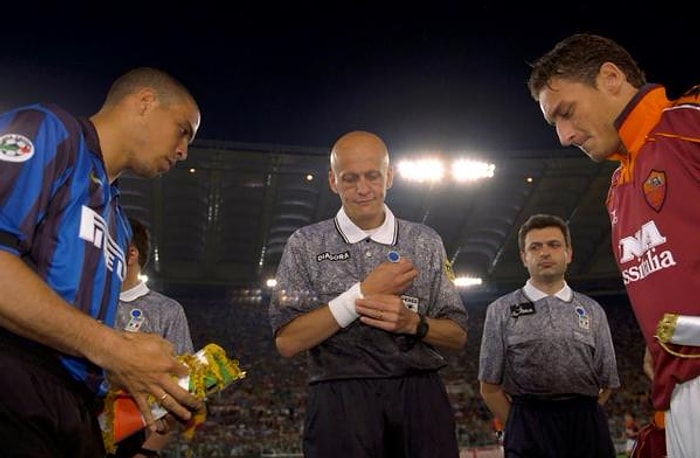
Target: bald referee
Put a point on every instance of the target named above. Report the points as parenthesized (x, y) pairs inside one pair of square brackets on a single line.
[(368, 296)]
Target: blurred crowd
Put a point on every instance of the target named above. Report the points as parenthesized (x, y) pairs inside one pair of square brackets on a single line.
[(263, 413)]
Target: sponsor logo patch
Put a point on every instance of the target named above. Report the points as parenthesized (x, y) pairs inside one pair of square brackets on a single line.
[(94, 229), (344, 256), (15, 148), (94, 178)]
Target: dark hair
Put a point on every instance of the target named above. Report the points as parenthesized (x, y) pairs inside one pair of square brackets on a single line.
[(579, 58), (141, 239), (167, 87), (541, 221)]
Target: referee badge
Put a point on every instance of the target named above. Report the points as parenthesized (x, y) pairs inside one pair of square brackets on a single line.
[(410, 302), (136, 320), (393, 256), (584, 322)]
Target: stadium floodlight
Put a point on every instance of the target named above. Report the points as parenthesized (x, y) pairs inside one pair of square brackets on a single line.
[(466, 282), (433, 170), (468, 170), (421, 170)]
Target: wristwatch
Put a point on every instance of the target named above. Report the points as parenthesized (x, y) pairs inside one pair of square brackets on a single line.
[(422, 328)]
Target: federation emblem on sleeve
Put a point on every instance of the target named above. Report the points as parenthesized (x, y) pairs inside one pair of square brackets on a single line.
[(15, 148), (655, 189), (449, 271)]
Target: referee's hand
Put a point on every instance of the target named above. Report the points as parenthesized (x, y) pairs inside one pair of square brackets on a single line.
[(390, 278)]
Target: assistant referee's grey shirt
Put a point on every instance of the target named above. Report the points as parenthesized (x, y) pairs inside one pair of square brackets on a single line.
[(323, 260), (144, 310), (547, 346)]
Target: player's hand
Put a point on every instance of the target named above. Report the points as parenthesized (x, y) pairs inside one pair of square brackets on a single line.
[(390, 278), (146, 367)]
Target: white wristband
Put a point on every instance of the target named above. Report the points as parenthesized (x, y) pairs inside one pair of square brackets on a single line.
[(343, 306)]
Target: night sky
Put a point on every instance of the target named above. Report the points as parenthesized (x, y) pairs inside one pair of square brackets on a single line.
[(447, 76)]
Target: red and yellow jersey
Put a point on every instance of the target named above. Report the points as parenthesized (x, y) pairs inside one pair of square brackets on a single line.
[(654, 208)]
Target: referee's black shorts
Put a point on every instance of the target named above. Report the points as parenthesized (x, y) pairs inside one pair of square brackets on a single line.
[(573, 428), (380, 418), (44, 412)]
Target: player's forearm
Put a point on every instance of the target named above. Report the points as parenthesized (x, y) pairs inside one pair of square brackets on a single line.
[(30, 308)]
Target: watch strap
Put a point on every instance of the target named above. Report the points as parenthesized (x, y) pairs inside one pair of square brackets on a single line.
[(422, 329)]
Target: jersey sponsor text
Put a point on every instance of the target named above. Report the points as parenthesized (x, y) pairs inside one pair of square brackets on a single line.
[(93, 228), (344, 256), (642, 246)]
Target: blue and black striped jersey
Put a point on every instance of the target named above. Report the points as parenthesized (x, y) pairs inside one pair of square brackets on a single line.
[(60, 213)]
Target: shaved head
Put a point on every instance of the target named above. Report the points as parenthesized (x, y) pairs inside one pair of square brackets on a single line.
[(360, 175), (356, 141)]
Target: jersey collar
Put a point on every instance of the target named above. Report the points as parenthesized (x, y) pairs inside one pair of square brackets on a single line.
[(134, 293), (535, 294), (384, 234), (640, 116)]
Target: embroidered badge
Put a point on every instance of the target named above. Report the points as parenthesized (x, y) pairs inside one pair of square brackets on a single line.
[(583, 321), (15, 148), (410, 302), (136, 321), (393, 256), (655, 189), (449, 271)]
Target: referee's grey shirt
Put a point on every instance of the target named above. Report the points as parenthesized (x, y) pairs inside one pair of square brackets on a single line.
[(323, 260)]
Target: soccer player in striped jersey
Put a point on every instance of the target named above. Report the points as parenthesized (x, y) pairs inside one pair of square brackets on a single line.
[(63, 238)]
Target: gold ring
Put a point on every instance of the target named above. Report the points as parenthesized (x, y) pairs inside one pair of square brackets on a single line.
[(162, 398)]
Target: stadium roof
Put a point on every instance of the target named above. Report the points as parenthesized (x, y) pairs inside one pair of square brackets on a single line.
[(222, 217)]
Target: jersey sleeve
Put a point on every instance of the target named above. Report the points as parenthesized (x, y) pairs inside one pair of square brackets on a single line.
[(293, 295), (492, 351), (448, 302), (32, 167), (178, 331), (605, 360)]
